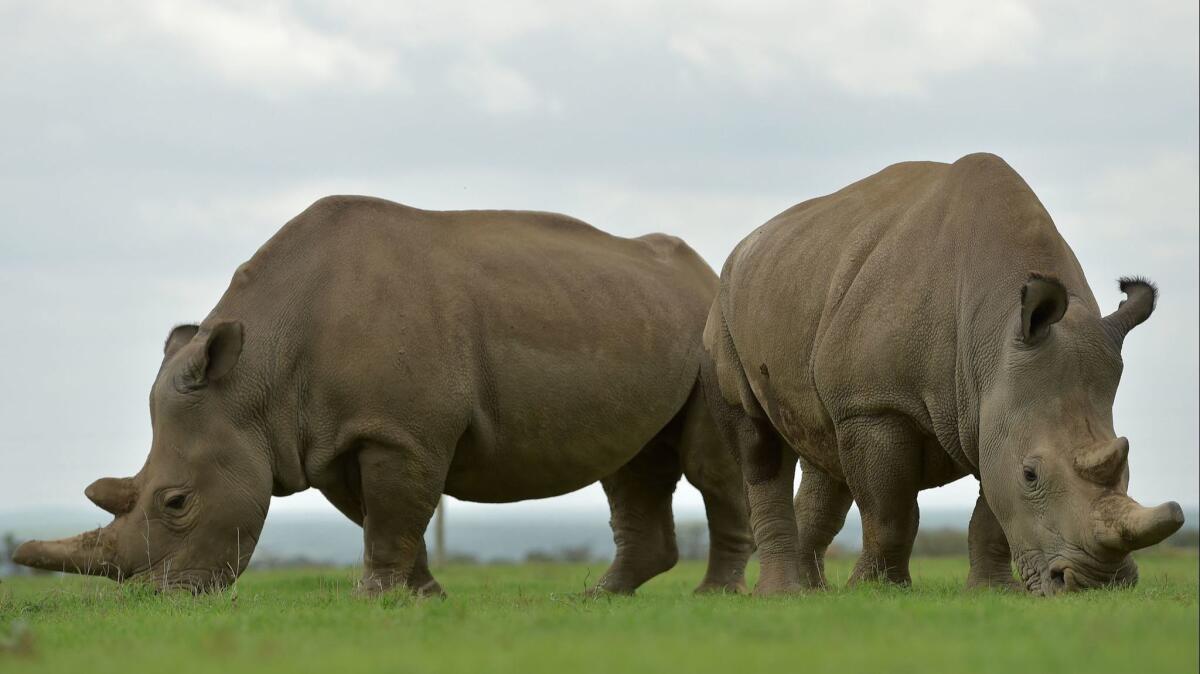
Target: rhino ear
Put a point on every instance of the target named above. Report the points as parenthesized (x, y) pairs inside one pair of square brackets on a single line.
[(180, 335), (1142, 295), (220, 350), (1043, 303)]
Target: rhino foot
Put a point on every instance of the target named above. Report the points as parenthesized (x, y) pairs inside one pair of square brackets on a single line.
[(993, 582), (376, 586), (430, 589), (770, 589), (607, 586), (717, 587)]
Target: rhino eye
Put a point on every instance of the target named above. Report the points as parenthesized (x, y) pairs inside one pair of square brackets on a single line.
[(176, 502), (1029, 474)]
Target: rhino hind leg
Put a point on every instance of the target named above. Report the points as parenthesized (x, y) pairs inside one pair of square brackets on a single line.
[(769, 466), (768, 463), (991, 558), (885, 488), (639, 498), (821, 505), (714, 471)]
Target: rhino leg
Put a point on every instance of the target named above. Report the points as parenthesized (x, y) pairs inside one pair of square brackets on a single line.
[(773, 521), (991, 559), (769, 467), (420, 580), (347, 499), (639, 498), (400, 489), (821, 505), (885, 489), (768, 464), (713, 470)]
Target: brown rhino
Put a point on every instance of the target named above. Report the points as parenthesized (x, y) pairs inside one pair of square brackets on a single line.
[(923, 324), (386, 355)]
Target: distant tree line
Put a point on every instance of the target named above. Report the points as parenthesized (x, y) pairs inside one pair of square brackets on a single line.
[(692, 540)]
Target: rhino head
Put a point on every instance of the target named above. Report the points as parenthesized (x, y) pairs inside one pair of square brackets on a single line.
[(191, 517), (1051, 467)]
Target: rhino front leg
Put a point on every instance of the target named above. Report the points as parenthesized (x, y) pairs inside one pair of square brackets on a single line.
[(421, 581), (991, 559), (882, 462), (346, 498), (821, 505), (400, 489)]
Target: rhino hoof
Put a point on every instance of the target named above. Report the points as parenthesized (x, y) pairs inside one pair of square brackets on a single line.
[(430, 589), (1008, 584), (717, 587)]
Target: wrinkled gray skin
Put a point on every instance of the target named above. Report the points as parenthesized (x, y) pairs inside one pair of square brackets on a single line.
[(921, 325), (387, 355)]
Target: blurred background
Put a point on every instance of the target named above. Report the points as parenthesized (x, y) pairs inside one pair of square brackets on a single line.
[(148, 148)]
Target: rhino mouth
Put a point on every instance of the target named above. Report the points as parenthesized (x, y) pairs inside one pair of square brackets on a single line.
[(194, 581), (1056, 574)]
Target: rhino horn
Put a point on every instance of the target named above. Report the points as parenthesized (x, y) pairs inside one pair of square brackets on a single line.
[(116, 495), (89, 553), (1123, 524), (1104, 464)]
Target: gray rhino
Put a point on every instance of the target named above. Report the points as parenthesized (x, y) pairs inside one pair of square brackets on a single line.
[(386, 355), (921, 325)]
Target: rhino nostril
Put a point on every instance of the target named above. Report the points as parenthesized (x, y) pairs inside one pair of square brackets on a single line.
[(1058, 580)]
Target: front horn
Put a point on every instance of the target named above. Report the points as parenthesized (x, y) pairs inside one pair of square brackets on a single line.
[(88, 553), (1122, 523)]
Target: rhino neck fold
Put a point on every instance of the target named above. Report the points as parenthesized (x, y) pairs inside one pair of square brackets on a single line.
[(267, 398), (283, 416)]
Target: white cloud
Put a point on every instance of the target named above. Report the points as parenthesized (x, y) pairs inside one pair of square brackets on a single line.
[(263, 46), (1145, 205), (470, 24), (498, 89), (1103, 39), (877, 48), (266, 45), (1147, 198)]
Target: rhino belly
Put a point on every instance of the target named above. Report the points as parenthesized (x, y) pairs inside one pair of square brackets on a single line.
[(541, 438)]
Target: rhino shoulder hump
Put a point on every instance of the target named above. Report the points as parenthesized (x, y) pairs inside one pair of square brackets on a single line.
[(341, 203), (665, 243), (982, 162), (674, 250)]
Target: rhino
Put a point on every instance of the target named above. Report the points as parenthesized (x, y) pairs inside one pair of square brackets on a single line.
[(918, 326), (387, 355)]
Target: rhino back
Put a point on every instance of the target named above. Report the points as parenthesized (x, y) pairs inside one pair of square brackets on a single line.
[(890, 296), (540, 350)]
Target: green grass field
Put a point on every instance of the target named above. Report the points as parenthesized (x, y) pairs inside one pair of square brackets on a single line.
[(531, 618)]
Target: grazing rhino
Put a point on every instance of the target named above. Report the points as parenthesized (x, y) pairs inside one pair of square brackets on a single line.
[(923, 324), (386, 355)]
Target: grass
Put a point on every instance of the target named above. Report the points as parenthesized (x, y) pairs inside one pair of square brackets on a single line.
[(530, 618)]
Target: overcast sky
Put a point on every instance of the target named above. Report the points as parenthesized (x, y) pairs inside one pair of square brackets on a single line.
[(146, 149)]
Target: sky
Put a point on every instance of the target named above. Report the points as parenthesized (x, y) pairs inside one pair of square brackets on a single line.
[(148, 148)]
